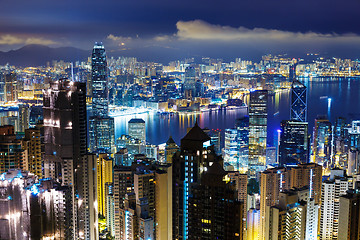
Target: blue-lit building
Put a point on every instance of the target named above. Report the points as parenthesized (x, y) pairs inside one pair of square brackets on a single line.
[(101, 126), (231, 162), (322, 138), (242, 126), (298, 102), (99, 81), (190, 82), (294, 143), (257, 131)]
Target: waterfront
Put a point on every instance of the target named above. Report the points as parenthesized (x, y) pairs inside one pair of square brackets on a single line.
[(344, 92)]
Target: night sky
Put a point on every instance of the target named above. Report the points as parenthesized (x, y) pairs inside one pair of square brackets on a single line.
[(212, 28)]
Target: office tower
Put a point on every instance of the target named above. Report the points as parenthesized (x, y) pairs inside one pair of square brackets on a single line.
[(33, 209), (257, 131), (340, 143), (272, 182), (101, 135), (170, 149), (349, 216), (86, 198), (231, 158), (243, 143), (36, 115), (322, 141), (190, 82), (213, 204), (2, 87), (215, 139), (64, 129), (11, 120), (298, 107), (33, 145), (10, 90), (294, 143), (354, 134), (332, 189), (24, 116), (137, 129), (104, 177), (189, 163), (123, 185), (99, 80), (101, 126), (307, 175), (163, 203), (292, 72), (122, 157), (11, 152), (152, 152)]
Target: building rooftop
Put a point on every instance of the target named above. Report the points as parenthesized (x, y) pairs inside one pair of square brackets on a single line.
[(136, 120)]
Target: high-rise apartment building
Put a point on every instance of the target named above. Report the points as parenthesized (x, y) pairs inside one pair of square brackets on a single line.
[(231, 150), (11, 153), (349, 216), (298, 107), (332, 189), (64, 129), (24, 117), (33, 145), (104, 178), (294, 143), (10, 89), (257, 131)]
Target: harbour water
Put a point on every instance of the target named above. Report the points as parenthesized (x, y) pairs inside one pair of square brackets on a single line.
[(345, 102)]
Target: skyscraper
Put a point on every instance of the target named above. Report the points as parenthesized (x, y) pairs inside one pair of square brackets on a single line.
[(243, 143), (190, 82), (231, 160), (137, 129), (101, 126), (11, 152), (99, 78), (10, 90), (294, 143), (257, 131), (349, 217), (322, 141), (64, 129), (298, 107)]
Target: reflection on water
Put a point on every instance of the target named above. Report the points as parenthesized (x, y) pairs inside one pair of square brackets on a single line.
[(345, 95)]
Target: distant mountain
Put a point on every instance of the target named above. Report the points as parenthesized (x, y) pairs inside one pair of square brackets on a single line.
[(39, 55)]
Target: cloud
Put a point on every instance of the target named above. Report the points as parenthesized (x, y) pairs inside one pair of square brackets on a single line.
[(200, 30), (15, 40)]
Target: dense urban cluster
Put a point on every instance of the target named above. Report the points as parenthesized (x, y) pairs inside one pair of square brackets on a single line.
[(63, 175)]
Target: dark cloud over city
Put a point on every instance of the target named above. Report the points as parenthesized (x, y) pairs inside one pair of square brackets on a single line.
[(214, 28)]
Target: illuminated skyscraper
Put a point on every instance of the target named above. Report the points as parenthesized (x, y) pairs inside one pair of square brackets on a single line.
[(243, 143), (294, 143), (231, 160), (137, 129), (104, 177), (298, 107), (64, 129), (24, 116), (190, 82), (101, 135), (33, 145), (170, 149), (101, 126), (10, 90), (189, 163), (257, 131), (322, 138), (99, 78)]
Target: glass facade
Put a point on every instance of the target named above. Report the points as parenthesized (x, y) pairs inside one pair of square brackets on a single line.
[(298, 109)]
